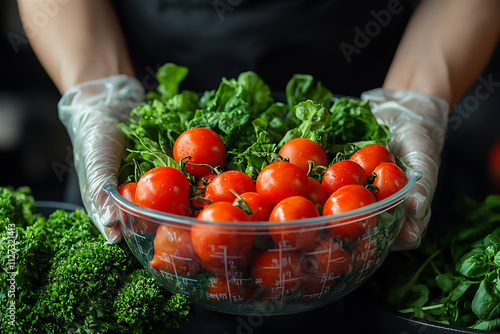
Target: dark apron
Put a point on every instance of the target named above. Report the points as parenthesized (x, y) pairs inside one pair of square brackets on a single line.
[(347, 45)]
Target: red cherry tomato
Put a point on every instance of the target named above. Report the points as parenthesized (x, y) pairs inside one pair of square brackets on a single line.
[(201, 185), (280, 180), (277, 268), (317, 193), (138, 225), (300, 150), (292, 208), (258, 205), (389, 180), (174, 251), (222, 249), (164, 189), (366, 253), (219, 190), (222, 212), (371, 156), (204, 181), (232, 290), (343, 173), (348, 198), (204, 146), (127, 190), (332, 260), (327, 261)]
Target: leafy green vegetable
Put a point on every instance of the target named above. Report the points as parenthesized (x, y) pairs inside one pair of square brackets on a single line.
[(255, 157), (244, 113), (486, 302), (352, 122), (141, 297), (313, 118), (453, 277), (82, 285), (16, 207), (169, 77), (61, 276), (301, 88)]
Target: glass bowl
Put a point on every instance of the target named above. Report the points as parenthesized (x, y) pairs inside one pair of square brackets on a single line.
[(244, 271)]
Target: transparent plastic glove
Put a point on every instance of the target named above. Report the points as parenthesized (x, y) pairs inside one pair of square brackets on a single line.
[(90, 112), (418, 123)]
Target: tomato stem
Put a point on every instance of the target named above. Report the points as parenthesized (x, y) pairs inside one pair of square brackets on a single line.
[(199, 198), (372, 177), (185, 161), (218, 170), (276, 157), (242, 204), (373, 188)]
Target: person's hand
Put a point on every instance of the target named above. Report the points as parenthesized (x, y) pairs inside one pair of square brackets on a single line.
[(418, 124), (90, 112)]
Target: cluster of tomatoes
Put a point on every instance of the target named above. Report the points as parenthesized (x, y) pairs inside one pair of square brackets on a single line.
[(283, 256)]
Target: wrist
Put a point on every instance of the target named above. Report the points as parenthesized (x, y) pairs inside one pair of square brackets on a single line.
[(98, 71), (418, 84), (414, 100)]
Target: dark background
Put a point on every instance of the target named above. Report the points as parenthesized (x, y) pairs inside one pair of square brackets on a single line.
[(34, 147)]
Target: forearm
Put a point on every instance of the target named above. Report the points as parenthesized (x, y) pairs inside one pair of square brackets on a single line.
[(445, 48), (81, 42)]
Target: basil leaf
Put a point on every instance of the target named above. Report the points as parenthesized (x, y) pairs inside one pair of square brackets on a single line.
[(486, 305), (445, 282), (474, 265), (462, 286), (488, 325)]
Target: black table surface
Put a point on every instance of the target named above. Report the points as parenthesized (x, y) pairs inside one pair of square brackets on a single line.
[(350, 314)]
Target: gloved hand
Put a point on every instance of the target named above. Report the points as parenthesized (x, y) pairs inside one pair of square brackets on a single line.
[(90, 112), (418, 123)]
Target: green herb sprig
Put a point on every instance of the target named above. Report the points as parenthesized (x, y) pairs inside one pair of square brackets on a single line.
[(454, 276)]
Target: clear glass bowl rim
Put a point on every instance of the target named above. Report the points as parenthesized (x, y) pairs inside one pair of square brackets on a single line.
[(160, 217)]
